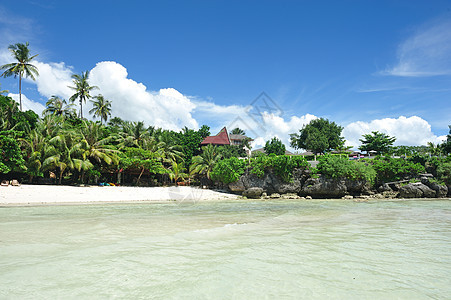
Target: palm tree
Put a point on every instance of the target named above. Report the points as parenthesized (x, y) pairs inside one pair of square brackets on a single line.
[(60, 107), (22, 67), (238, 131), (205, 162), (102, 108), (82, 89), (134, 134), (93, 146), (177, 172)]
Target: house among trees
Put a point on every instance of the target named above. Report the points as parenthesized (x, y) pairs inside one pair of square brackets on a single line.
[(221, 139), (224, 138)]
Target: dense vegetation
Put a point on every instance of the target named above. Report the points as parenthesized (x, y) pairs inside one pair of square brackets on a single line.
[(338, 166)]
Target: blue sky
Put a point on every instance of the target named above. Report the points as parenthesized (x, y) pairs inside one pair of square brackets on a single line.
[(367, 65)]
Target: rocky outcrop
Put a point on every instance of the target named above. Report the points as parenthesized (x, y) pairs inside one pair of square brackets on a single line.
[(270, 183), (441, 190), (416, 190), (303, 185), (253, 192), (324, 188)]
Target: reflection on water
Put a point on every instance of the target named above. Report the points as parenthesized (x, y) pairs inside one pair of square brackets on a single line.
[(274, 249)]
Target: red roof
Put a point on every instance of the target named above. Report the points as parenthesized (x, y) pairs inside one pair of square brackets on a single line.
[(222, 138)]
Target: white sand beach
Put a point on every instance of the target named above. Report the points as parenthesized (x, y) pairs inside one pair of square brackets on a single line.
[(53, 194)]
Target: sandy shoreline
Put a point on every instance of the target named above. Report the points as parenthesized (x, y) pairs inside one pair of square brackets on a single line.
[(52, 194)]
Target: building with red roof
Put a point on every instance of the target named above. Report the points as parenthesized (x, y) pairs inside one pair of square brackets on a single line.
[(222, 138)]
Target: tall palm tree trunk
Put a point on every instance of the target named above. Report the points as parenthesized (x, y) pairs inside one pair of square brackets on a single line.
[(81, 108), (20, 91)]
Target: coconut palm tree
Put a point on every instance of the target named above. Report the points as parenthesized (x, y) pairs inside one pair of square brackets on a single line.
[(238, 131), (134, 134), (22, 67), (93, 146), (176, 172), (60, 107), (205, 162), (102, 108), (82, 89)]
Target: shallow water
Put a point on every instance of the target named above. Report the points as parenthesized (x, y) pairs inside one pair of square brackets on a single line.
[(321, 249)]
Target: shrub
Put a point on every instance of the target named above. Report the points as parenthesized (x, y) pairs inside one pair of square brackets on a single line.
[(341, 167), (282, 165), (444, 173), (228, 170), (395, 169)]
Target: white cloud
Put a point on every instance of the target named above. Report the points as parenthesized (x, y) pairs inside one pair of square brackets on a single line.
[(412, 131), (54, 79), (272, 125), (28, 104), (131, 100), (426, 53)]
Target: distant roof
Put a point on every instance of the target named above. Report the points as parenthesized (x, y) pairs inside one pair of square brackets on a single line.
[(307, 153), (222, 138)]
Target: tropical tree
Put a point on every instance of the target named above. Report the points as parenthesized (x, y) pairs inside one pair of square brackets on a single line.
[(275, 146), (205, 162), (134, 134), (92, 145), (142, 160), (60, 107), (377, 141), (34, 148), (446, 145), (82, 89), (22, 67), (320, 136), (238, 131), (10, 155), (177, 171), (101, 108)]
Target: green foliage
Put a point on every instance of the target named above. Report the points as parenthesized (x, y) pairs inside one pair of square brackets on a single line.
[(275, 146), (190, 139), (320, 136), (137, 158), (228, 151), (377, 141), (282, 165), (12, 118), (256, 154), (82, 89), (10, 154), (394, 169), (444, 172), (101, 108), (205, 162), (446, 145), (238, 131), (228, 170), (22, 67), (336, 166)]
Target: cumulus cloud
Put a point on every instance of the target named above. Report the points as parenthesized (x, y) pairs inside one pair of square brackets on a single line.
[(412, 131), (426, 53), (131, 100), (54, 79), (28, 104)]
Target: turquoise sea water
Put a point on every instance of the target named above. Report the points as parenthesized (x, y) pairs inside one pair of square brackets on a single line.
[(319, 249)]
